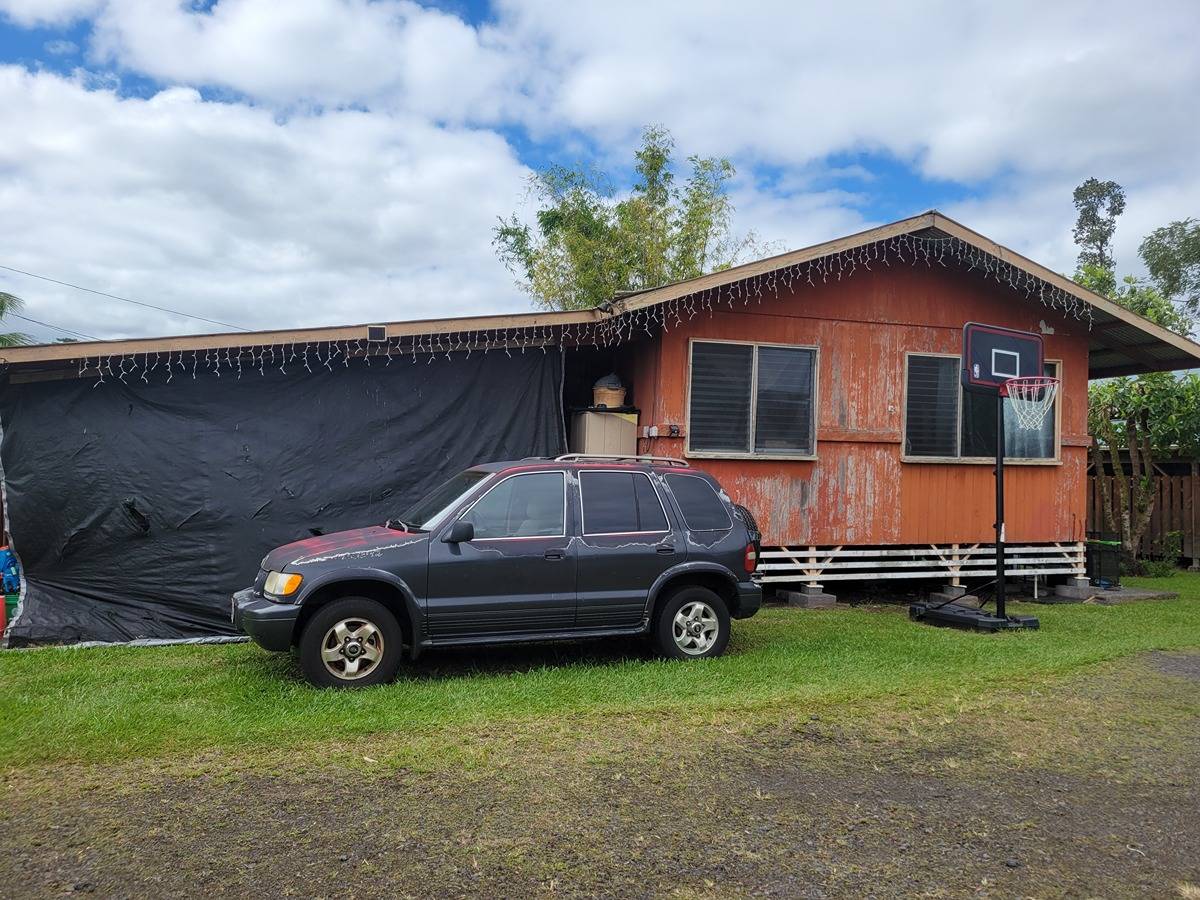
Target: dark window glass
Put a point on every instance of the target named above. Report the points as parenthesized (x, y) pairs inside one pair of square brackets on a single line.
[(615, 502), (719, 414), (979, 428), (784, 411), (650, 511), (609, 502), (702, 509), (522, 506), (931, 411)]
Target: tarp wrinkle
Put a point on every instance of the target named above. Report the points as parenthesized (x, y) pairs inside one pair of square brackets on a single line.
[(242, 467)]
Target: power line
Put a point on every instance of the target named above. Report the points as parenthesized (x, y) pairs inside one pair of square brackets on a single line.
[(165, 309), (55, 327)]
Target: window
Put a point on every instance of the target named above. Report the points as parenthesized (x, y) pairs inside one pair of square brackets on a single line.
[(942, 420), (620, 502), (429, 510), (702, 509), (521, 506), (751, 399)]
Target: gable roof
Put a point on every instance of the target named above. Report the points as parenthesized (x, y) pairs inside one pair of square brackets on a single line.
[(1120, 342)]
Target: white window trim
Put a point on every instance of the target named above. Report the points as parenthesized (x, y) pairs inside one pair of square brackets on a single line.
[(752, 454), (1056, 460), (521, 537), (583, 511)]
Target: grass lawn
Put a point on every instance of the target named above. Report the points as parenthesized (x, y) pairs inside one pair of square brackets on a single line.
[(112, 704), (829, 754)]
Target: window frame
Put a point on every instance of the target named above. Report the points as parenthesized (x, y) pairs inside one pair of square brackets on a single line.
[(522, 537), (634, 472), (1055, 460), (691, 453)]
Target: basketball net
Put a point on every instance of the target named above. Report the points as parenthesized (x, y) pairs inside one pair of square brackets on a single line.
[(1030, 399)]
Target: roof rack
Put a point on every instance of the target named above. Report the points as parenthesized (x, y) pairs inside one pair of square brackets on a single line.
[(669, 460)]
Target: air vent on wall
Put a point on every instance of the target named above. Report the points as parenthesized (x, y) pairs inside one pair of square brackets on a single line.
[(376, 332)]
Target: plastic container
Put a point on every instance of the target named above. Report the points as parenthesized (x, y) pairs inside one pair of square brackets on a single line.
[(10, 606)]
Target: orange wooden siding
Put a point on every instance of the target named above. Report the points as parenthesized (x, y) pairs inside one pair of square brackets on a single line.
[(858, 490)]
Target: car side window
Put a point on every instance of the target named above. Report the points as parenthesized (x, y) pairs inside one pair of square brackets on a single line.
[(620, 503), (702, 509), (530, 505)]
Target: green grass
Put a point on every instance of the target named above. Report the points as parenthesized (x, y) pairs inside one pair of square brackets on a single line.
[(111, 704)]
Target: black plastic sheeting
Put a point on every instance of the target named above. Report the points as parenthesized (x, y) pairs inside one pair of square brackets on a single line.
[(137, 509)]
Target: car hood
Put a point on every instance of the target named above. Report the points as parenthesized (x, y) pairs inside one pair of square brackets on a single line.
[(359, 545)]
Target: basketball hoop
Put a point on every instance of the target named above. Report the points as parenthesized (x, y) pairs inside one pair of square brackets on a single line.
[(1031, 399)]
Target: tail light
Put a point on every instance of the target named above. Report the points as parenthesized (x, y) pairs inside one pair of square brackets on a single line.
[(750, 560)]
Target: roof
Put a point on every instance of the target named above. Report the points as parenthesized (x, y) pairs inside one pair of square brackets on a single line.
[(1120, 342)]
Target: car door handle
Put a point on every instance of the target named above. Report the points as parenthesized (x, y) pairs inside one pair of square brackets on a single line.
[(666, 548), (555, 553)]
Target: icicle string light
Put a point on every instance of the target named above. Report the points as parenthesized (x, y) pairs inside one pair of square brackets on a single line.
[(621, 326)]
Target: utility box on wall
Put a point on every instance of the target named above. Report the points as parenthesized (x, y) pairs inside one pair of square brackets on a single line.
[(612, 433)]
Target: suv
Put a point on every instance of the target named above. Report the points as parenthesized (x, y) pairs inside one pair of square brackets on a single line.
[(540, 549)]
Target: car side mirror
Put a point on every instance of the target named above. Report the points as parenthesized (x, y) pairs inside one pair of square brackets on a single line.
[(459, 532)]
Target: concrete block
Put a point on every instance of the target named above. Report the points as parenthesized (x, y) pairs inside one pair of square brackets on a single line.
[(1075, 590), (807, 599), (949, 591)]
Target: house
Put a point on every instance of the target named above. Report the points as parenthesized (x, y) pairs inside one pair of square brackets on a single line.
[(145, 477)]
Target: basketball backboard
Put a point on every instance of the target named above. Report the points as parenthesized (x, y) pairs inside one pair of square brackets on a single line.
[(992, 355)]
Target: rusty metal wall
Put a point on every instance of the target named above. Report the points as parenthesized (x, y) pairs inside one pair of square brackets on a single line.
[(858, 490)]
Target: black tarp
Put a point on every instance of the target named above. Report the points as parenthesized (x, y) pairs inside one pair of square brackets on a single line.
[(137, 509)]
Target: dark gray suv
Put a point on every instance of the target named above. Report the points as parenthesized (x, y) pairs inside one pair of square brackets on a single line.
[(539, 549)]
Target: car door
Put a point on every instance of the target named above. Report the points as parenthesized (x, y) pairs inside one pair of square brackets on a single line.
[(517, 574), (626, 542)]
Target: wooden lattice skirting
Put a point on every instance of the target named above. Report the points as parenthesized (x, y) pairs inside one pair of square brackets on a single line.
[(951, 562)]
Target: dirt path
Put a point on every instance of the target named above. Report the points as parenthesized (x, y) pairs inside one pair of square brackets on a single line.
[(1090, 788)]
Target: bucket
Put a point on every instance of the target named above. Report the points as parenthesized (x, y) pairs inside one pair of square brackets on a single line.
[(9, 608)]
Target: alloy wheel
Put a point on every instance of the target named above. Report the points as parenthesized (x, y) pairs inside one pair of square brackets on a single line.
[(352, 649)]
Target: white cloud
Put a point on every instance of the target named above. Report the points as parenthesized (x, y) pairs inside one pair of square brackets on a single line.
[(47, 12), (223, 210), (392, 53), (367, 162)]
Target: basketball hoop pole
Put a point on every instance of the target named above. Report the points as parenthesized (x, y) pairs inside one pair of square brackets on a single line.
[(1001, 394)]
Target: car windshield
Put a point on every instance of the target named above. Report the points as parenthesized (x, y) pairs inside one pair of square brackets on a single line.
[(429, 511)]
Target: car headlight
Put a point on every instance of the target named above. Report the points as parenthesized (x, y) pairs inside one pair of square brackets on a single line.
[(282, 584)]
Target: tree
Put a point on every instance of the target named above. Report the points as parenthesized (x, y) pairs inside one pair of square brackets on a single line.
[(1099, 204), (587, 245), (9, 305), (1152, 414), (1139, 296), (1148, 416), (1172, 254)]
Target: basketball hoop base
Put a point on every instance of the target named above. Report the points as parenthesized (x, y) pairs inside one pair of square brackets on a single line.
[(951, 615)]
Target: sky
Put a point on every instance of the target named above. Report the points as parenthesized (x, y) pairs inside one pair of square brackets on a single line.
[(319, 162)]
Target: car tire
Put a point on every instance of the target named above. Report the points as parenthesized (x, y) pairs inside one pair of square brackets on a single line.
[(693, 623), (353, 642)]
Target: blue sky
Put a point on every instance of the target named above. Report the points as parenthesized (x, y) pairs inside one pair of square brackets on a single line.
[(329, 161)]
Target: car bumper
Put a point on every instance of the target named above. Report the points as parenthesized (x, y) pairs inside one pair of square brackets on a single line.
[(270, 625), (749, 599)]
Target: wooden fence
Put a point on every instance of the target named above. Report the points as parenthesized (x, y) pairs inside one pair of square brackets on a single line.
[(1176, 509)]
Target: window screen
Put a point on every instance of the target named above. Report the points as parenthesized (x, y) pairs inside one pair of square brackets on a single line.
[(979, 428), (720, 396), (702, 509), (941, 419), (522, 506), (617, 502), (931, 411), (739, 388), (783, 414)]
